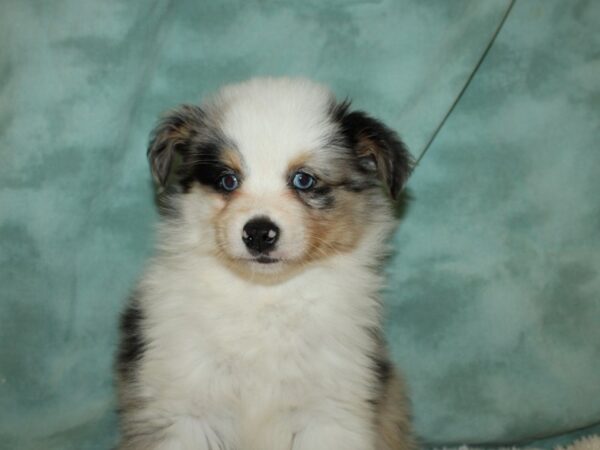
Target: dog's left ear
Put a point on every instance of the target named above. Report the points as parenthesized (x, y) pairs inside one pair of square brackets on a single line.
[(377, 147), (171, 137)]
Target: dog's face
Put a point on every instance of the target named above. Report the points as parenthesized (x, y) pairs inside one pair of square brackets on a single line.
[(274, 174)]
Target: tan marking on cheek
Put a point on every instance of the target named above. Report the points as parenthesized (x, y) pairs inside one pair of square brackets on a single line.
[(335, 231), (223, 216)]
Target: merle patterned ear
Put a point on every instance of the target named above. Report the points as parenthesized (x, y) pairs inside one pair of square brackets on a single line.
[(378, 148), (172, 135)]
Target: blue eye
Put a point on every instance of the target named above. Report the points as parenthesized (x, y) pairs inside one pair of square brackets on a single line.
[(229, 182), (303, 181)]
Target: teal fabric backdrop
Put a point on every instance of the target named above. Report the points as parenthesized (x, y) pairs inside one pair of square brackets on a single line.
[(493, 299)]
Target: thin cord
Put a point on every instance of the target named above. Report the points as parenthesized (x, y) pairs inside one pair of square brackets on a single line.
[(467, 83)]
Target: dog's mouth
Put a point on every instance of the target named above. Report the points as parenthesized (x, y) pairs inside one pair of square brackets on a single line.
[(263, 259)]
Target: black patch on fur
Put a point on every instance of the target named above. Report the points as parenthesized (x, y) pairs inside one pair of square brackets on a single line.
[(203, 164), (373, 142), (132, 345), (382, 368)]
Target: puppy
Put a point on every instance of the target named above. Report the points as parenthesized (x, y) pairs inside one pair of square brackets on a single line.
[(256, 326)]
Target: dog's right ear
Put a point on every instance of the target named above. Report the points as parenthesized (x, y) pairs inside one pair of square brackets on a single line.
[(378, 148), (171, 136)]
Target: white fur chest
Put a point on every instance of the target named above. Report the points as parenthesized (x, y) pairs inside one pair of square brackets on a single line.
[(254, 354)]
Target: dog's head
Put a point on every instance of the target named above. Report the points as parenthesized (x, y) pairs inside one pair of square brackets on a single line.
[(273, 174)]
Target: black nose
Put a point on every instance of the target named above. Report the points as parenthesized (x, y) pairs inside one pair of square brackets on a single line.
[(260, 235)]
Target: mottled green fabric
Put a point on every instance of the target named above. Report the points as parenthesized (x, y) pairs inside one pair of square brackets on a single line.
[(493, 293), (494, 297)]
